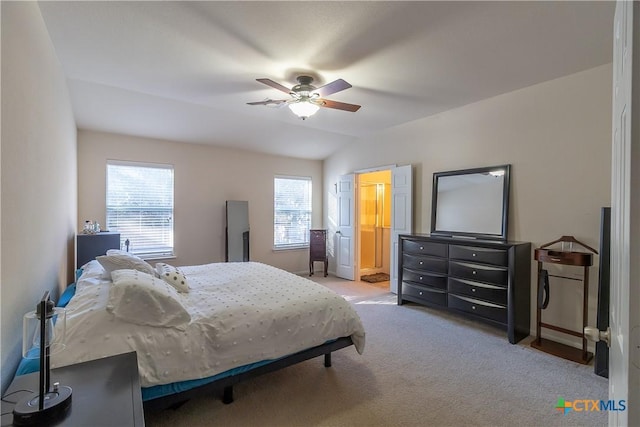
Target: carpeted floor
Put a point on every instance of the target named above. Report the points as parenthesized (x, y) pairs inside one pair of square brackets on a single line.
[(420, 367)]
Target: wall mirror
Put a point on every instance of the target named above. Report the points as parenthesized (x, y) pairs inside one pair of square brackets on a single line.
[(471, 203), (237, 231)]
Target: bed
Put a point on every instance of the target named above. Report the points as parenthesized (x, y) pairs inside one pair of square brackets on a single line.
[(226, 322)]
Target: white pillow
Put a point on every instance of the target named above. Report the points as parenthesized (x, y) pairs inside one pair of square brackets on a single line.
[(116, 259), (92, 269), (143, 299), (173, 276), (92, 274)]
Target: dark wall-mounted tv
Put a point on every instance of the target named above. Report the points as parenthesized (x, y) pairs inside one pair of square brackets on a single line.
[(472, 203)]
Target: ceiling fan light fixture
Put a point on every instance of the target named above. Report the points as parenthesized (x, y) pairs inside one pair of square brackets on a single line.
[(307, 99), (303, 108)]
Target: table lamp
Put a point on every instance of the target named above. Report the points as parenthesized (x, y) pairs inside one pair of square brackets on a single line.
[(52, 402)]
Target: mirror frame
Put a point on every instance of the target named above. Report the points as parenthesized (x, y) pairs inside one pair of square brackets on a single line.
[(505, 203)]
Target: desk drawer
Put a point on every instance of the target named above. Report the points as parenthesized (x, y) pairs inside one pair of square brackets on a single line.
[(425, 278), (491, 293), (481, 308), (482, 273), (425, 248), (416, 262), (424, 293), (482, 255)]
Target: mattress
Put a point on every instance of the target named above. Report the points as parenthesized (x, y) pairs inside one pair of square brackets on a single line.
[(241, 314)]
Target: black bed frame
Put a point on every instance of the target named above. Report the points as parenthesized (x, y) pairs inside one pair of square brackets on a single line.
[(225, 385)]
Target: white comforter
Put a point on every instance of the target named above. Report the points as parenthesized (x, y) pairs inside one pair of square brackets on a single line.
[(241, 313)]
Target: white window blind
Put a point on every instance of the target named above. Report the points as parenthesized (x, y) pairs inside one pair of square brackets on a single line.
[(140, 206), (292, 212)]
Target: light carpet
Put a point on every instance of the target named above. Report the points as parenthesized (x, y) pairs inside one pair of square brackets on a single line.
[(420, 367)]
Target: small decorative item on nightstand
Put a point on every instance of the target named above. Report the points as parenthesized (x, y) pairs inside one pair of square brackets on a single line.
[(91, 227)]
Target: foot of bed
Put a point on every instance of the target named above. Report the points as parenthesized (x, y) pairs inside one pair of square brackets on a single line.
[(227, 395), (327, 360)]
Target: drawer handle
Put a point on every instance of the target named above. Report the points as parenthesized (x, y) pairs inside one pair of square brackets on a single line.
[(473, 307), (473, 255), (421, 247), (420, 277), (473, 289), (421, 262), (473, 272), (420, 292)]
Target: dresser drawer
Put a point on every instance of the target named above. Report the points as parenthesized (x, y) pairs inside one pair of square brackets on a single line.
[(491, 293), (416, 262), (482, 255), (317, 251), (425, 278), (482, 273), (481, 308), (424, 294), (425, 248)]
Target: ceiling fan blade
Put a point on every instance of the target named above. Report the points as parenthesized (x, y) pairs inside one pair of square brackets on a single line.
[(333, 87), (338, 105), (269, 102), (274, 85)]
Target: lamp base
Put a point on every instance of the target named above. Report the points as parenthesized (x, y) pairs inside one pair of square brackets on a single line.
[(56, 405)]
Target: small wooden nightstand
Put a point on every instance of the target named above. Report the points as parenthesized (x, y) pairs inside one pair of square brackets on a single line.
[(106, 392), (318, 249)]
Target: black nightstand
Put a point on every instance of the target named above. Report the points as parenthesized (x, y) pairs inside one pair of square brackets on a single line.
[(106, 392), (90, 246)]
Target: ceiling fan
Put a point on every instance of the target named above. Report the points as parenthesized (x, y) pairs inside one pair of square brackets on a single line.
[(307, 99)]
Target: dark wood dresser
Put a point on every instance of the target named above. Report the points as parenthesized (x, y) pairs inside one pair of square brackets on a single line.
[(485, 280)]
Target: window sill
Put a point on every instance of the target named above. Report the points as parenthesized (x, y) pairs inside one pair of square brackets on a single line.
[(290, 248), (157, 257)]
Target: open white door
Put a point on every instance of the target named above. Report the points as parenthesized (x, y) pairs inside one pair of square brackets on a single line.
[(345, 249), (401, 214), (624, 351)]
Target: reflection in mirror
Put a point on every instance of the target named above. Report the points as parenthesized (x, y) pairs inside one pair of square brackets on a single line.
[(471, 202), (237, 231)]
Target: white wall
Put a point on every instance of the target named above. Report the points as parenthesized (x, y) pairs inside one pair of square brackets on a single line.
[(557, 137), (205, 177), (38, 174)]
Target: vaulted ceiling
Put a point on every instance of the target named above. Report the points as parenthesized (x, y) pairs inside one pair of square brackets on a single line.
[(185, 71)]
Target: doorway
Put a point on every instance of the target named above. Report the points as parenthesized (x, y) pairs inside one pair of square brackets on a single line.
[(374, 227), (347, 245)]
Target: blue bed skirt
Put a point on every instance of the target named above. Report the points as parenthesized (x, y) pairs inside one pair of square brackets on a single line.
[(30, 365)]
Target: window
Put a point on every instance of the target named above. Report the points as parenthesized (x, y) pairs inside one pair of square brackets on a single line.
[(292, 212), (140, 206)]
